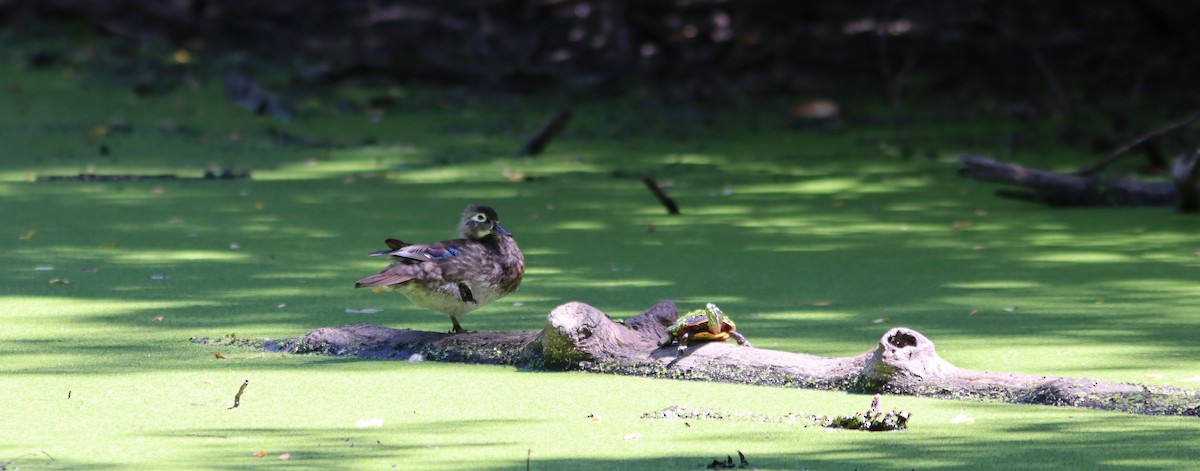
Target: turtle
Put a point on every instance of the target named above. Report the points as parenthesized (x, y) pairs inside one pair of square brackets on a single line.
[(708, 324)]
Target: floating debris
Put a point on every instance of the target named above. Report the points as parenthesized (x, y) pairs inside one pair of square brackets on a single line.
[(873, 420)]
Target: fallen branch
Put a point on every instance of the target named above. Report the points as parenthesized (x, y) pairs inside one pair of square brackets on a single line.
[(537, 143), (1118, 152), (237, 398), (1061, 189), (579, 337), (666, 201), (226, 174)]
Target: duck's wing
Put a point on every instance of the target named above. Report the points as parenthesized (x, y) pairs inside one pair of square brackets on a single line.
[(409, 253), (412, 261), (390, 276), (393, 245)]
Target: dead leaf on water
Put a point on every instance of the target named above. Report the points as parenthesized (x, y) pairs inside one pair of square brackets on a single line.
[(1154, 376), (260, 454), (218, 356), (60, 281), (28, 234), (974, 312), (883, 320), (962, 418), (512, 176), (157, 319)]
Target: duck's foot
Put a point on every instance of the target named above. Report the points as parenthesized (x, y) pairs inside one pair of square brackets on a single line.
[(457, 329)]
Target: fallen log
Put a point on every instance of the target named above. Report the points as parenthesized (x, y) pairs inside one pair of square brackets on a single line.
[(580, 337), (1072, 190)]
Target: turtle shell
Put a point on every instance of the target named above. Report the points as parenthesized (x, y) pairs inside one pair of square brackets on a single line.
[(697, 328)]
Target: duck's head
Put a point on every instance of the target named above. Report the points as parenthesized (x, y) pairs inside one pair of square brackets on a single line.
[(480, 222)]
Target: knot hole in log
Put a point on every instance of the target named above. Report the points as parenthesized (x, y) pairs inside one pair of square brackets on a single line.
[(901, 339), (902, 353)]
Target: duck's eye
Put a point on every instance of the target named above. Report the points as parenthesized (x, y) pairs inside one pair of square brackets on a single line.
[(480, 217)]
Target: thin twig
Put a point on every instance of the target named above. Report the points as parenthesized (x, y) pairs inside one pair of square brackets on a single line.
[(1048, 74), (881, 50), (237, 398), (672, 208), (1116, 153), (4, 465), (892, 80)]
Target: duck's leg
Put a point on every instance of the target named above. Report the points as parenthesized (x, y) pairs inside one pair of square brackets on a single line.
[(457, 328)]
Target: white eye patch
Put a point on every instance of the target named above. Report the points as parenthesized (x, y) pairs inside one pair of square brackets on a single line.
[(479, 217)]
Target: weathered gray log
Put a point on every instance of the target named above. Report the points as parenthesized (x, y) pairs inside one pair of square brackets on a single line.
[(580, 337), (1060, 189)]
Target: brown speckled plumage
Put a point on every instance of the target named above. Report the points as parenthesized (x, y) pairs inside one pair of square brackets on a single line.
[(457, 276)]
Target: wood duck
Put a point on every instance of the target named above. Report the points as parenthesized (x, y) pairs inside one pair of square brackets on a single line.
[(457, 276)]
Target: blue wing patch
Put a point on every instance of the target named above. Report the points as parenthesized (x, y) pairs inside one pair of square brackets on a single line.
[(442, 252)]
